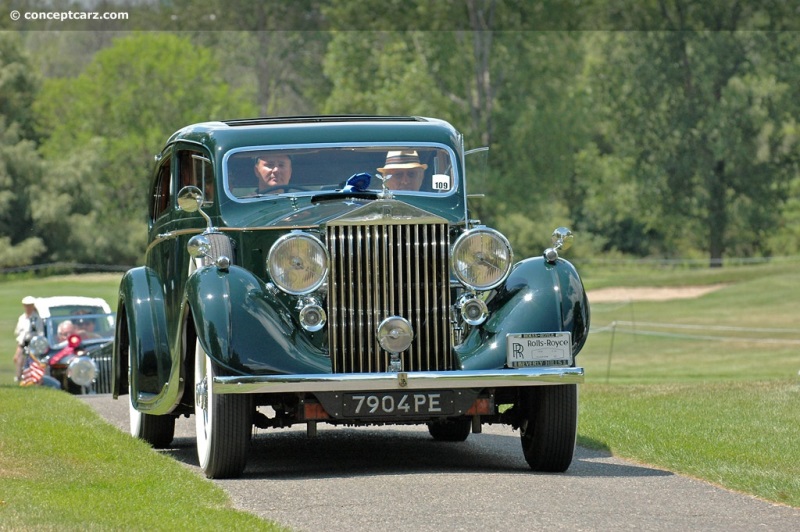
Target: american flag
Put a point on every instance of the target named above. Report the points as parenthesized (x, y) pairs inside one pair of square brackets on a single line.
[(32, 374)]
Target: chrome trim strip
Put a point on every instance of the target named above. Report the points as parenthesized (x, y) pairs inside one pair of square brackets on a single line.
[(444, 251), (198, 230), (423, 305), (422, 380), (333, 293), (355, 266)]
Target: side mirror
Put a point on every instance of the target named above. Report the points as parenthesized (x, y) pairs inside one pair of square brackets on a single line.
[(562, 238), (190, 199)]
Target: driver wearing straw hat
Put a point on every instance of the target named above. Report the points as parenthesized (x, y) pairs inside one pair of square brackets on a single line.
[(402, 170)]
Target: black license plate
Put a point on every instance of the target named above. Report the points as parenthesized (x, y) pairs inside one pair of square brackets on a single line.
[(401, 404)]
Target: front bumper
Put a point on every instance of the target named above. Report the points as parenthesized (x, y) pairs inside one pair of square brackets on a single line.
[(420, 380)]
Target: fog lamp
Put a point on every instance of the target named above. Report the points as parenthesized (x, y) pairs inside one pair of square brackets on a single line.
[(474, 310), (82, 371), (313, 317)]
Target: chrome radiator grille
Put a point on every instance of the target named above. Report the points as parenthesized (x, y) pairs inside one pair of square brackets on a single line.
[(102, 383), (384, 270)]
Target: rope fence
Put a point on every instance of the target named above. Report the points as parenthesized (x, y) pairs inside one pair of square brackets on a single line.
[(683, 262), (630, 327), (693, 332)]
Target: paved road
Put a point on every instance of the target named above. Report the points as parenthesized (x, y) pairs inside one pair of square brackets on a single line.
[(398, 478)]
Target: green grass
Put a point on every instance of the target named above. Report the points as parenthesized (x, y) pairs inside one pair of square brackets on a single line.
[(744, 331), (63, 468), (722, 405), (740, 435)]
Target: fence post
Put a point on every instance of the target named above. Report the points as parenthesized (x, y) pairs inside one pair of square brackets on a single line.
[(611, 350)]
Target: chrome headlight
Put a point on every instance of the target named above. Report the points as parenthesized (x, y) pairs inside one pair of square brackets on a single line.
[(38, 346), (298, 263), (482, 258), (82, 371)]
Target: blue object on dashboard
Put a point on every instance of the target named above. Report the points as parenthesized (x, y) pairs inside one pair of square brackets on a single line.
[(357, 183)]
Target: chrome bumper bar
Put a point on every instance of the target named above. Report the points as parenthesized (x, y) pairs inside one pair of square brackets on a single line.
[(419, 380)]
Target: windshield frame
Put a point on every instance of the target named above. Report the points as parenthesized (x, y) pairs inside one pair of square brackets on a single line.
[(375, 185)]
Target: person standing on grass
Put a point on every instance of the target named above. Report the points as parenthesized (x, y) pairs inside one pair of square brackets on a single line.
[(28, 319)]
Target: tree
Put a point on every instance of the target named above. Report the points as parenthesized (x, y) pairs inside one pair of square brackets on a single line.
[(19, 163), (704, 115), (541, 121), (277, 46), (103, 128)]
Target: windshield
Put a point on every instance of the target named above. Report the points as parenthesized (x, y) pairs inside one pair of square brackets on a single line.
[(407, 169), (87, 326)]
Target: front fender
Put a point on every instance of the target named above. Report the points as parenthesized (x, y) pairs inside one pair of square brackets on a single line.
[(142, 330), (536, 297), (245, 329)]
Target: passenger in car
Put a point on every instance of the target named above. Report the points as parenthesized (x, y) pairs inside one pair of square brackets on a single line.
[(66, 329), (86, 328), (403, 170)]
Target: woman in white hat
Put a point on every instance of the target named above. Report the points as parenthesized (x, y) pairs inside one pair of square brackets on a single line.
[(402, 170)]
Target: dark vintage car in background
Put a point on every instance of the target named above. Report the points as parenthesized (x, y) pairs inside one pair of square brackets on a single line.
[(80, 364), (327, 270)]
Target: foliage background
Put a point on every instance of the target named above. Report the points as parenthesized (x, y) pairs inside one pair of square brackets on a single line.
[(657, 129)]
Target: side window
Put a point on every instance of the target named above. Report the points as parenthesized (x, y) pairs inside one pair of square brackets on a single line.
[(161, 189), (195, 169)]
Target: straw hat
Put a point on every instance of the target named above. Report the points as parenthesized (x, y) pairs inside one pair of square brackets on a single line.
[(401, 159)]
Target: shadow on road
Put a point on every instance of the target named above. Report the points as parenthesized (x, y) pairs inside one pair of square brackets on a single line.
[(343, 453)]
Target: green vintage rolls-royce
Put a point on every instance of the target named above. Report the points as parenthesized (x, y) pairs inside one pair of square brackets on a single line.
[(326, 270)]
